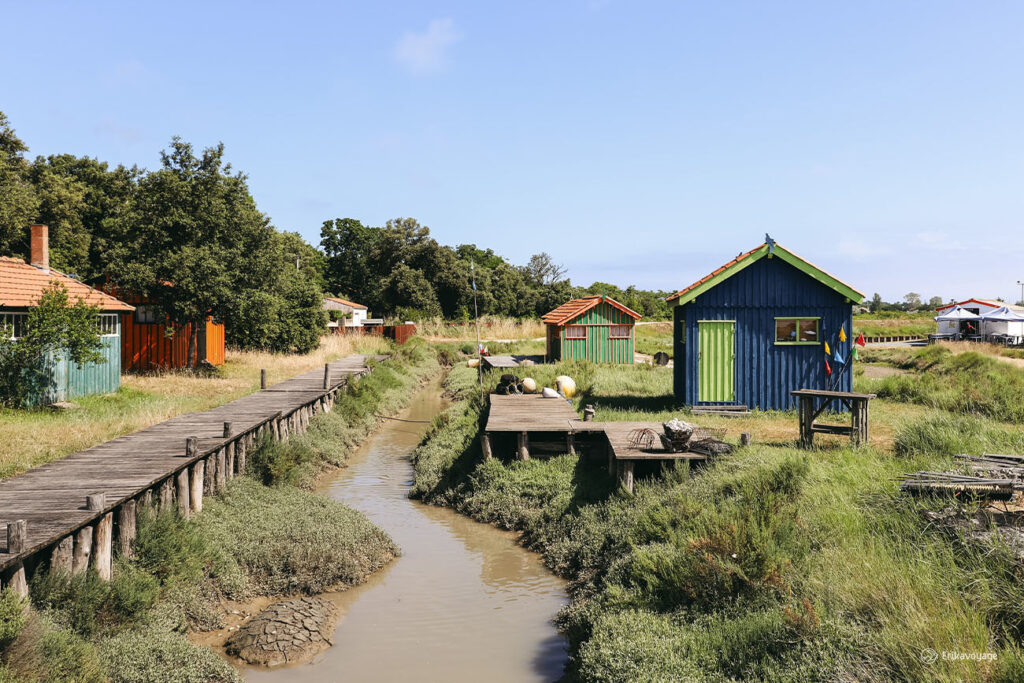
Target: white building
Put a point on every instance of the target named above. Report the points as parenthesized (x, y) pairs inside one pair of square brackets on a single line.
[(357, 314), (979, 307)]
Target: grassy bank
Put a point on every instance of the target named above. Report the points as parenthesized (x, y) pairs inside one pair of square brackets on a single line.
[(265, 536), (967, 383), (29, 438), (773, 563), (894, 323)]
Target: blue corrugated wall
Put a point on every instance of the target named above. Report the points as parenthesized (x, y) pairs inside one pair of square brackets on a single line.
[(754, 297), (69, 380)]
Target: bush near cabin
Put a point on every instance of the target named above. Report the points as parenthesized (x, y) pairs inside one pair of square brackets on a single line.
[(54, 327)]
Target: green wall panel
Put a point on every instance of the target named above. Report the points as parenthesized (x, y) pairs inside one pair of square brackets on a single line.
[(716, 340)]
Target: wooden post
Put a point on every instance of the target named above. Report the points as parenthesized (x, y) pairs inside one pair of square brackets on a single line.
[(485, 445), (17, 533), (125, 528), (82, 551), (523, 443), (209, 472), (570, 443), (611, 456), (191, 447), (147, 498), (588, 413), (102, 550), (166, 495), (221, 478), (229, 464), (327, 376), (197, 483), (263, 380), (241, 448), (227, 430), (745, 439), (626, 475), (60, 558), (181, 491)]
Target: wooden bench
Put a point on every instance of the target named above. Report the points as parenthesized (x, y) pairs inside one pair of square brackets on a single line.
[(812, 403)]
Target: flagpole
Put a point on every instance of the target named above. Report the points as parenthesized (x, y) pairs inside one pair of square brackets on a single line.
[(476, 318)]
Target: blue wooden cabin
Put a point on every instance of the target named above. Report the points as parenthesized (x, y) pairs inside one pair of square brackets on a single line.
[(755, 329)]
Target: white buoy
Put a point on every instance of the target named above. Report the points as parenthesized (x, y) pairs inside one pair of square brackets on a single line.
[(548, 392), (568, 385), (529, 385)]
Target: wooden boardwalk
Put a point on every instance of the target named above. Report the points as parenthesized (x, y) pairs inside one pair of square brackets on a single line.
[(51, 500)]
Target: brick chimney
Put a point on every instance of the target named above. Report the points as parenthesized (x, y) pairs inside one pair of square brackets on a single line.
[(40, 247)]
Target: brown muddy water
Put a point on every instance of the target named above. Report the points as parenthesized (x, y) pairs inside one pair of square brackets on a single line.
[(464, 602)]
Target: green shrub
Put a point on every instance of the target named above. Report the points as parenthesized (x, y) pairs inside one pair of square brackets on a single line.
[(12, 616), (156, 656), (89, 606), (285, 540)]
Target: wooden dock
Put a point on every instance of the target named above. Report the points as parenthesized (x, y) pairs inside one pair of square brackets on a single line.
[(69, 505), (531, 417), (505, 362)]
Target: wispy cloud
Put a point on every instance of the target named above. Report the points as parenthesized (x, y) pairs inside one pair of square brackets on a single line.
[(427, 51)]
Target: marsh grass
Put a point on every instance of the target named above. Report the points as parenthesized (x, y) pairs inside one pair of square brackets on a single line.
[(654, 337), (29, 438), (491, 327), (774, 563)]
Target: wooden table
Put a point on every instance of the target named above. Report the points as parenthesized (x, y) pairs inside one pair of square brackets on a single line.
[(812, 402)]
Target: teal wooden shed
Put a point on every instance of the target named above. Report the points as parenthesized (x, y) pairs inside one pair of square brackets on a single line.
[(594, 328), (21, 285)]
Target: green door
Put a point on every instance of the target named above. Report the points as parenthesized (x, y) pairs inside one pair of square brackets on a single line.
[(715, 363)]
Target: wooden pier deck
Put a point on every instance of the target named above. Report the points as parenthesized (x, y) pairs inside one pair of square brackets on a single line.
[(52, 499), (530, 415)]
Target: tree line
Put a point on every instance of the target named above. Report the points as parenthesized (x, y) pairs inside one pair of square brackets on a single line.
[(190, 237)]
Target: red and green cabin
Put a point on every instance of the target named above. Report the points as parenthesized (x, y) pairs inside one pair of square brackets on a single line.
[(594, 328)]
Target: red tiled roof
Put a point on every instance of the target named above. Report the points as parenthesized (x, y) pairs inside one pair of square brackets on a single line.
[(712, 274), (344, 302), (21, 285), (572, 308)]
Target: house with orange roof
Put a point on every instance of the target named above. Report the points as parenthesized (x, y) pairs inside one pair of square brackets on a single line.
[(348, 313), (595, 328), (764, 324), (21, 286)]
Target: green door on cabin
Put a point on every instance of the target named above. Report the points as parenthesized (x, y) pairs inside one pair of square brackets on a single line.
[(715, 344)]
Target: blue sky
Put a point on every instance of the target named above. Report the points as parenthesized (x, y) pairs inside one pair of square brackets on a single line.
[(637, 142)]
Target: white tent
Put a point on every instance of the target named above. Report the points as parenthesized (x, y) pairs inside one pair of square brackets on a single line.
[(1003, 321), (949, 322)]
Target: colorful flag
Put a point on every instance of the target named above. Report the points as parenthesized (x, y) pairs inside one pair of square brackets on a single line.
[(854, 353), (828, 351), (839, 359), (842, 333), (860, 339), (828, 368)]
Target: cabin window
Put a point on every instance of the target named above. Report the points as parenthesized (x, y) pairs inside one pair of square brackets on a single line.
[(12, 325), (796, 330), (575, 332), (145, 314), (619, 331), (107, 324)]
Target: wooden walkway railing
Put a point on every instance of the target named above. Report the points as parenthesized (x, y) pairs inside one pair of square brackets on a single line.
[(71, 511)]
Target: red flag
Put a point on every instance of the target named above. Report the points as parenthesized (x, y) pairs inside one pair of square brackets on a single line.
[(860, 340), (828, 368)]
